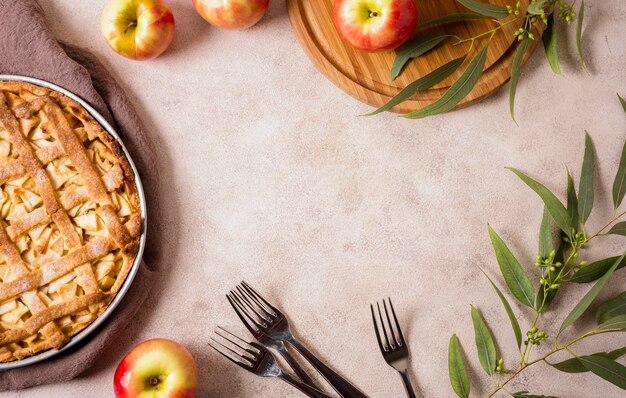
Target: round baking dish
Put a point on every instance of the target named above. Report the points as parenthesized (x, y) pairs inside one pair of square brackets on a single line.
[(84, 334)]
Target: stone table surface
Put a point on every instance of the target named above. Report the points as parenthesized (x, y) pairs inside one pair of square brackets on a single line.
[(270, 175)]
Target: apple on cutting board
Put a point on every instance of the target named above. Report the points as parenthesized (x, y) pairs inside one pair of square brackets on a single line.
[(137, 29), (156, 368), (231, 14), (375, 25)]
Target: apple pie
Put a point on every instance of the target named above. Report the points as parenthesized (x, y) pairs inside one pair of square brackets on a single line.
[(71, 219)]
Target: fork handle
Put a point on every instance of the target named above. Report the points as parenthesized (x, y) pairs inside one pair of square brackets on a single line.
[(341, 385), (282, 350), (407, 384), (305, 388)]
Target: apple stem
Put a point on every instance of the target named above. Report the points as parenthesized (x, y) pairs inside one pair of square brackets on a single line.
[(373, 14), (154, 381)]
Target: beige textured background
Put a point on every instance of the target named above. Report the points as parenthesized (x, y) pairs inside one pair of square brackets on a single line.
[(269, 175)]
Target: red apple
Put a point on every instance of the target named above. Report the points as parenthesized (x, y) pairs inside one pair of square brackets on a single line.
[(375, 25), (157, 368), (137, 29), (231, 14)]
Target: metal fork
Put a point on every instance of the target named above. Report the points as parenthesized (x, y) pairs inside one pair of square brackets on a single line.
[(241, 304), (266, 322), (395, 351), (256, 359)]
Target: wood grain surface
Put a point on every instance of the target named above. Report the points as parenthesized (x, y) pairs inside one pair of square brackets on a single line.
[(366, 76)]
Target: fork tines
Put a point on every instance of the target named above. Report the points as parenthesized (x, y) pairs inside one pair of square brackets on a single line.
[(397, 340), (247, 355), (249, 304)]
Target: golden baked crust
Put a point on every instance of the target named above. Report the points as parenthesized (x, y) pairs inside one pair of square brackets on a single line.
[(70, 219)]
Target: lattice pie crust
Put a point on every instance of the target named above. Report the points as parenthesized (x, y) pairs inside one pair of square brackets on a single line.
[(70, 219)]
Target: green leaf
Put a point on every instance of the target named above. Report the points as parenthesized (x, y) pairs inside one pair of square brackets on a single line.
[(619, 185), (622, 101), (450, 18), (585, 186), (525, 394), (606, 368), (485, 9), (457, 91), (545, 234), (459, 378), (586, 301), (595, 270), (573, 365), (618, 229), (413, 49), (549, 39), (484, 343), (509, 311), (555, 207), (423, 83), (579, 34), (537, 8), (514, 275), (611, 308), (572, 201), (515, 72), (618, 322)]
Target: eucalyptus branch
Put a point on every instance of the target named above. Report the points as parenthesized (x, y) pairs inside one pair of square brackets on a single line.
[(539, 16), (561, 264)]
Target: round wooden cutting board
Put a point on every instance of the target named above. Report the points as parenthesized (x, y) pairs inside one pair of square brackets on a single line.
[(366, 76)]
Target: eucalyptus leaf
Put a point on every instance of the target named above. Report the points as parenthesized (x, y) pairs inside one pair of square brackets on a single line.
[(414, 48), (423, 83), (459, 378), (485, 9), (573, 365), (514, 275), (579, 33), (595, 270), (619, 185), (525, 394), (618, 229), (457, 91), (586, 301), (537, 8), (585, 186), (515, 72), (450, 18), (549, 39), (509, 311), (545, 234), (618, 322), (484, 343), (622, 101), (616, 306), (572, 201), (607, 369), (555, 207)]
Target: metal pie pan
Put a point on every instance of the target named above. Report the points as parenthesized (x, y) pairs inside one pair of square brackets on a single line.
[(83, 334)]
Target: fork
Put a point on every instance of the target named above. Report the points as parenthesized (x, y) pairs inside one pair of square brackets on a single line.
[(256, 359), (239, 302), (395, 351), (266, 322)]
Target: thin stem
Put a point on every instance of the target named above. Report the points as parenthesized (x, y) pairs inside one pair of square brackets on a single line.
[(545, 357), (488, 32), (613, 219)]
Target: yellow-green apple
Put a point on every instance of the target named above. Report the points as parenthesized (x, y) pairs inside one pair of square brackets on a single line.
[(231, 14), (137, 29), (156, 368), (375, 25)]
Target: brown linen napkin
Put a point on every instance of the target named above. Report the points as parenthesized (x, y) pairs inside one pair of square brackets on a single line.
[(28, 48)]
